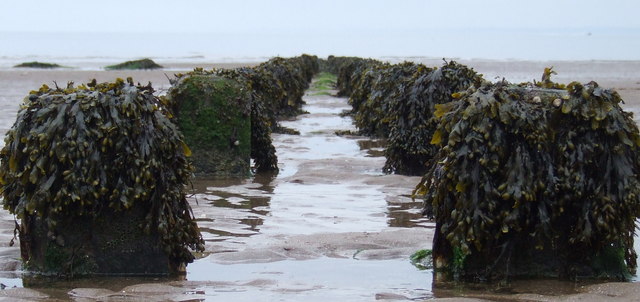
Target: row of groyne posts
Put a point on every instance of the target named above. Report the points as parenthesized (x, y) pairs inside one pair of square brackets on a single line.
[(524, 180)]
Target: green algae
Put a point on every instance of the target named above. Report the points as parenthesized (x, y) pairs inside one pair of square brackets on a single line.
[(324, 81), (214, 115), (271, 91), (322, 84), (422, 259)]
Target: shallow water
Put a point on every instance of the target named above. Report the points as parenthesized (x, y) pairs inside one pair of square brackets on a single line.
[(308, 201), (321, 279)]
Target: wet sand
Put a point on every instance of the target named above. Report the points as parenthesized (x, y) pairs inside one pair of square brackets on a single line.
[(329, 226)]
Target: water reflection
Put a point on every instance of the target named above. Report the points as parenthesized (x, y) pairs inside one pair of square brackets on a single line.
[(57, 288), (227, 208), (402, 211), (373, 147), (406, 213), (300, 208), (322, 279)]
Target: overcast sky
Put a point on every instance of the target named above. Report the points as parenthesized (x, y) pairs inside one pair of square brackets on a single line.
[(231, 16)]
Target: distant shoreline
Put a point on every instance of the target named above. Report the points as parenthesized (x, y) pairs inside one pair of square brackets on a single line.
[(188, 63), (623, 76), (550, 44)]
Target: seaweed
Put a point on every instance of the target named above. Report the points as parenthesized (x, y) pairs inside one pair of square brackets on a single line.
[(374, 115), (36, 64), (422, 259), (75, 152), (396, 101), (534, 180), (412, 111)]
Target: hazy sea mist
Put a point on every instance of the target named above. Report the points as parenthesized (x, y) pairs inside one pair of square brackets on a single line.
[(91, 50)]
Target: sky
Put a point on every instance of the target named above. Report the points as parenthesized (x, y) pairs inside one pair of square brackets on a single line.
[(492, 29), (317, 16)]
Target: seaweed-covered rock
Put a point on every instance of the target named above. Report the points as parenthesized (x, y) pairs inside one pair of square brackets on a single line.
[(214, 115), (96, 173), (36, 64), (135, 64), (534, 181)]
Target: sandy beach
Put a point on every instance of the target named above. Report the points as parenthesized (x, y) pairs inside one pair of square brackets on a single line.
[(329, 207)]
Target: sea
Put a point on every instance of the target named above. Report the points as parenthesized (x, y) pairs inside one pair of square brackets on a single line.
[(88, 50)]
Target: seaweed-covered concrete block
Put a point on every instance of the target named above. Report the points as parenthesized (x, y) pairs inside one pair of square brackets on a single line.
[(534, 181), (214, 115), (397, 103), (96, 174)]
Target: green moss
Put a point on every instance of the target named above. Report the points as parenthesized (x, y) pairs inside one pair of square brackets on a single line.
[(214, 115), (136, 64), (36, 64)]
